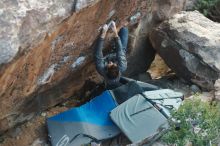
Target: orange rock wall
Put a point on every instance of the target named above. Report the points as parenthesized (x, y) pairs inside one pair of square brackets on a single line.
[(58, 66)]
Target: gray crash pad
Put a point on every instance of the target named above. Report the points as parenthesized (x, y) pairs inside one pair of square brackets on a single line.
[(143, 114)]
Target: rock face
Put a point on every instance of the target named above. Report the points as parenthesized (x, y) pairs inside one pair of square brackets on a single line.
[(190, 45), (46, 48), (54, 40), (141, 53), (26, 23)]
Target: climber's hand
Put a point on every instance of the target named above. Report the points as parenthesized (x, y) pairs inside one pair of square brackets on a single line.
[(114, 29), (104, 31)]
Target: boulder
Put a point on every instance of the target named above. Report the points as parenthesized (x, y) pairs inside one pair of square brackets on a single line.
[(46, 49), (141, 53), (190, 45), (24, 24)]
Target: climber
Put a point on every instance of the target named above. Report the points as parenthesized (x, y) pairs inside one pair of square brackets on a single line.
[(112, 65)]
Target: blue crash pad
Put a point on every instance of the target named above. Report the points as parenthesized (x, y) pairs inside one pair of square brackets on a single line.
[(83, 124)]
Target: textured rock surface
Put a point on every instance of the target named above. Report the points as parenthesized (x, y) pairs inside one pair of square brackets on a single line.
[(25, 24), (190, 4), (47, 52), (217, 89), (55, 56), (142, 54), (190, 45)]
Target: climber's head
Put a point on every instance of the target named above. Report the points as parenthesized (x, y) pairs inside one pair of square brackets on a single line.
[(112, 70)]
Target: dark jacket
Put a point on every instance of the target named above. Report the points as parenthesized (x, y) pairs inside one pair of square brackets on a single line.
[(119, 58)]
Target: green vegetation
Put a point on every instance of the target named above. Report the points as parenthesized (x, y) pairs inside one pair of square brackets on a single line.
[(204, 6), (199, 124)]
